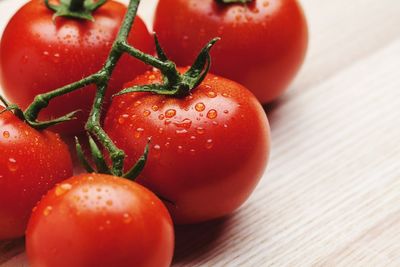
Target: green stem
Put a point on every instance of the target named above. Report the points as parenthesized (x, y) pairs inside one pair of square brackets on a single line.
[(76, 5)]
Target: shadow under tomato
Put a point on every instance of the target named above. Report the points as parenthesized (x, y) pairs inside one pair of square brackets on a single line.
[(192, 241), (10, 248)]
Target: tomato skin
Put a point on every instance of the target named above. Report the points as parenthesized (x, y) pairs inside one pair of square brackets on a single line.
[(100, 220), (262, 45), (31, 162), (208, 150), (38, 55)]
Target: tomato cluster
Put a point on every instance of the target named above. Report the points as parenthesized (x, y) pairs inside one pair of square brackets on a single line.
[(209, 135)]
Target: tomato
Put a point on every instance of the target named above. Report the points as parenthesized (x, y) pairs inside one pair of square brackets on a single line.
[(100, 220), (263, 43), (31, 162), (208, 150), (39, 54)]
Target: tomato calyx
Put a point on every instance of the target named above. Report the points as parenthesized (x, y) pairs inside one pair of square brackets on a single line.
[(174, 83), (101, 164), (79, 9), (31, 121)]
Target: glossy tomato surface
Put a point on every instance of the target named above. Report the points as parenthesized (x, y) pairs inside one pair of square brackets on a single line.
[(31, 162), (263, 43), (39, 54), (208, 150), (100, 220)]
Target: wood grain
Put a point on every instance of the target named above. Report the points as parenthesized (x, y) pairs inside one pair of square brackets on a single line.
[(331, 195)]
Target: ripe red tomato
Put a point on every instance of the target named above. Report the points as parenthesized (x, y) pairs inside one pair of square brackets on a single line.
[(100, 220), (263, 43), (31, 162), (39, 54), (208, 150)]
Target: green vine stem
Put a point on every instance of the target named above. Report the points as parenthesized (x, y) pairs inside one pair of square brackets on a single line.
[(175, 84), (79, 9)]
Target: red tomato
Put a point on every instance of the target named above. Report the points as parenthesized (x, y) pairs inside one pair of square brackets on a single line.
[(263, 42), (31, 162), (208, 150), (39, 54), (100, 220)]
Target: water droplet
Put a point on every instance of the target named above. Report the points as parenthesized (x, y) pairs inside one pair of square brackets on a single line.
[(212, 114), (62, 189), (192, 151), (152, 77), (200, 130), (225, 95), (127, 218), (209, 144), (180, 149), (211, 94), (90, 178), (167, 122), (12, 164), (85, 189), (200, 107), (47, 210), (154, 107), (45, 53), (137, 103), (6, 134), (146, 113), (161, 116), (108, 222), (167, 144), (181, 131), (215, 123), (138, 132), (109, 202), (226, 111), (170, 113), (157, 147), (193, 137), (186, 123), (225, 125), (160, 130)]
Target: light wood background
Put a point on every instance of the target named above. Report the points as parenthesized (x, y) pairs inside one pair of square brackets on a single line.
[(331, 195)]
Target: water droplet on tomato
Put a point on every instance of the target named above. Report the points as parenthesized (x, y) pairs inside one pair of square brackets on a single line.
[(226, 111), (192, 137), (170, 113), (6, 134), (181, 131), (225, 95), (137, 103), (160, 130), (215, 123), (209, 144), (45, 53), (126, 218), (161, 116), (154, 107), (212, 114), (167, 144), (180, 149), (109, 202), (200, 107), (146, 113), (186, 123), (138, 132), (47, 210), (12, 164), (200, 130), (192, 151), (62, 189)]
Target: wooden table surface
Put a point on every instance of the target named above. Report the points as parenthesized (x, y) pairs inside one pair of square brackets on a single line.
[(331, 195)]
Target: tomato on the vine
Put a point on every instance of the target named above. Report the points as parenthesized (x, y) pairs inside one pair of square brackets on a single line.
[(208, 149), (100, 220), (39, 54), (263, 42), (31, 162)]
